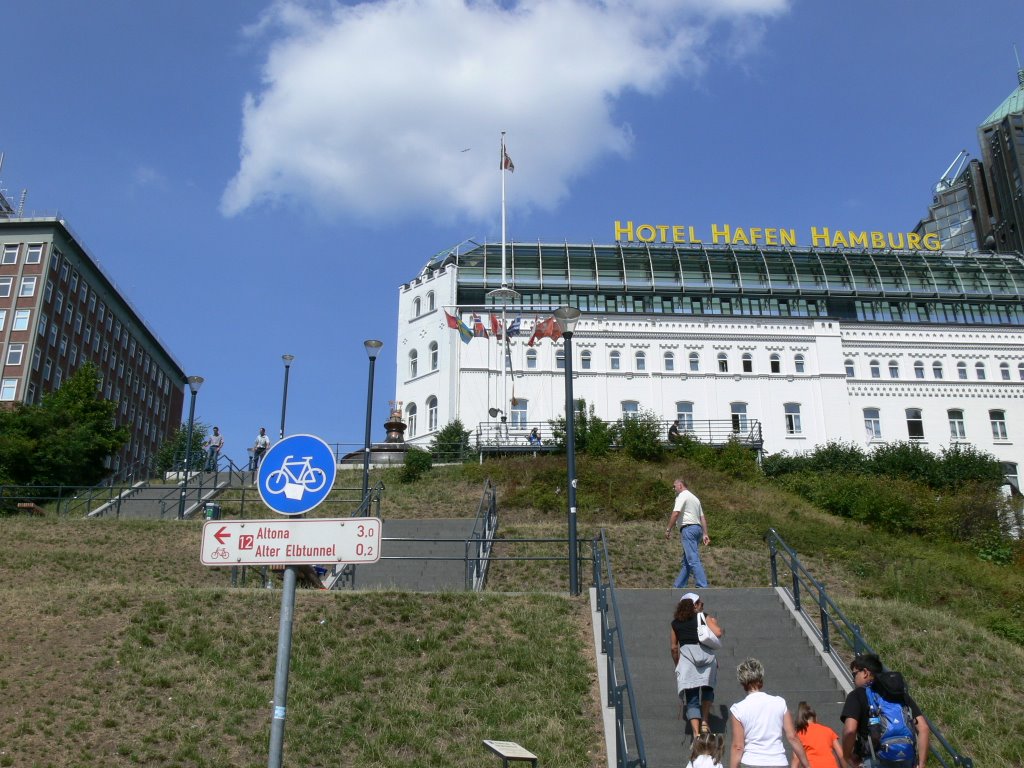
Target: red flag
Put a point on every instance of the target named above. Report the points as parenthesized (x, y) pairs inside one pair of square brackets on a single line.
[(452, 321), (545, 329), (478, 326), (506, 161), (495, 326)]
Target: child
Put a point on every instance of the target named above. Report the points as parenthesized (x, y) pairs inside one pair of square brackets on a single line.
[(707, 751), (820, 742)]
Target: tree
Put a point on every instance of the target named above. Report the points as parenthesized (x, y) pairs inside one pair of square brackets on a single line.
[(63, 440), (451, 443), (171, 455)]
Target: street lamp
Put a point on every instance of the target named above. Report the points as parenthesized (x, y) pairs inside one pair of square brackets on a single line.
[(284, 398), (567, 317), (194, 383), (372, 347)]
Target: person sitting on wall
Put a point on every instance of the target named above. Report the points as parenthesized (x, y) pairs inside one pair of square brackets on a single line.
[(673, 432), (534, 438)]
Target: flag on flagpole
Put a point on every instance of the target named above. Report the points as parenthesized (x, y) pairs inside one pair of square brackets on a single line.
[(453, 322), (513, 328), (545, 329), (495, 326), (464, 331), (478, 326), (506, 161)]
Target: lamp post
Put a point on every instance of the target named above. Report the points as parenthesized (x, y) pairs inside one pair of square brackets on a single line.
[(372, 347), (284, 398), (567, 317), (194, 383)]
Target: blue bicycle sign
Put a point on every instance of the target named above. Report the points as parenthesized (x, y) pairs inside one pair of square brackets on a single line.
[(296, 474)]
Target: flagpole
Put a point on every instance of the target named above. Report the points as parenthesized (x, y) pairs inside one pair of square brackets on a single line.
[(501, 167)]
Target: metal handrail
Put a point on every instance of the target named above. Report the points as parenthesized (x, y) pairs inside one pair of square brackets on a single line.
[(620, 684), (499, 435), (832, 622), (481, 540)]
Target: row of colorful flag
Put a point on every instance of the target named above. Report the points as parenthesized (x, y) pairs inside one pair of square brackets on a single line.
[(542, 329)]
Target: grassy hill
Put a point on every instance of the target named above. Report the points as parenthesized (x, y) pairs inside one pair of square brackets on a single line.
[(119, 649)]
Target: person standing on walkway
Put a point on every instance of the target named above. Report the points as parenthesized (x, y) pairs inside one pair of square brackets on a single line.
[(693, 530), (214, 444), (759, 724), (820, 742), (696, 666)]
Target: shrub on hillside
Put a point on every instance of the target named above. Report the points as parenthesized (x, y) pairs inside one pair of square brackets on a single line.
[(964, 465), (692, 449), (417, 463), (593, 435), (640, 436), (906, 460), (736, 460), (892, 503), (451, 444)]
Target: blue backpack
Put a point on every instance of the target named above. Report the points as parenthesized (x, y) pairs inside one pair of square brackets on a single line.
[(891, 723)]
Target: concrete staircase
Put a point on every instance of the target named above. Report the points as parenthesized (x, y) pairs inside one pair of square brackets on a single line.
[(757, 623)]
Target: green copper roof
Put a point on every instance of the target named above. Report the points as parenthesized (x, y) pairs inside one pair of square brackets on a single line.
[(1013, 105)]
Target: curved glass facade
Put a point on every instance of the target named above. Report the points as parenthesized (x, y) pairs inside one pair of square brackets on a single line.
[(901, 286)]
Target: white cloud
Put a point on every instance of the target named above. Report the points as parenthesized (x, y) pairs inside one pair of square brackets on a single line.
[(366, 109)]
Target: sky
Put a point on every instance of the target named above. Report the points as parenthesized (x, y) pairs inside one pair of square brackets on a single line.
[(260, 178)]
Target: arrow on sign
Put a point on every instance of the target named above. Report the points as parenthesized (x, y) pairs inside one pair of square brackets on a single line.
[(221, 536)]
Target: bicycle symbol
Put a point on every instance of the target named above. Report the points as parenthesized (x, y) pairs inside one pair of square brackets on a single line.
[(293, 484), (220, 553)]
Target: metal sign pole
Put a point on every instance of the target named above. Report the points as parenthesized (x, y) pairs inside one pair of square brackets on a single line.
[(284, 653)]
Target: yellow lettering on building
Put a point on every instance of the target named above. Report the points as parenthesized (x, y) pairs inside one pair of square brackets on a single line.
[(913, 241), (623, 232), (787, 236), (721, 234), (820, 238), (739, 236), (645, 233), (932, 242), (678, 233), (877, 240), (858, 238)]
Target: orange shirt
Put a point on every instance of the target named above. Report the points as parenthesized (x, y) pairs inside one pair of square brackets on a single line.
[(817, 741)]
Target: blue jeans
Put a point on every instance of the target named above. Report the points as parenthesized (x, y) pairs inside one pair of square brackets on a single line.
[(692, 536), (692, 698), (211, 459)]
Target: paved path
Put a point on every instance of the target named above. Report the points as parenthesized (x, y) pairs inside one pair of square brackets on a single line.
[(756, 623)]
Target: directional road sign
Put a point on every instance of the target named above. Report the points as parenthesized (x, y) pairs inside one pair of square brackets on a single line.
[(291, 542), (296, 474)]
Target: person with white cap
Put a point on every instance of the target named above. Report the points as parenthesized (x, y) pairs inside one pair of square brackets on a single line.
[(696, 665), (693, 530)]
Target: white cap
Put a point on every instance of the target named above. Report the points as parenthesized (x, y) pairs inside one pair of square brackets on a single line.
[(690, 596)]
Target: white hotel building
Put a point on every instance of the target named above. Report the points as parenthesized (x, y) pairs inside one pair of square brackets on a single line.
[(808, 344)]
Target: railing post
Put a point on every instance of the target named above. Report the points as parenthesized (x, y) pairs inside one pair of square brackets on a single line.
[(796, 582), (773, 552), (823, 612)]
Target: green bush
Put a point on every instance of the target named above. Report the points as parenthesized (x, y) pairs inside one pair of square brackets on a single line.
[(592, 435), (451, 444), (417, 463), (906, 460), (736, 460), (640, 436), (963, 465)]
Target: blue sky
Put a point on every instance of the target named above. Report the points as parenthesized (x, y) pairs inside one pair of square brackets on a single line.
[(261, 178)]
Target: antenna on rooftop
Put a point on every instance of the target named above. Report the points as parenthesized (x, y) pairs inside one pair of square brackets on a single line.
[(21, 203), (950, 176)]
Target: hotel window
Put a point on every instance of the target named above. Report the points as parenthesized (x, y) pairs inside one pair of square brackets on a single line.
[(410, 419), (670, 362), (876, 371), (35, 253), (1004, 371), (431, 413), (937, 370), (961, 370), (560, 359), (5, 286), (519, 413), (918, 369), (37, 356), (979, 370), (28, 286), (793, 419), (15, 353), (956, 424), (531, 358), (416, 307), (630, 408), (695, 362), (30, 394), (8, 389), (58, 305), (74, 284), (92, 303), (872, 424), (748, 362), (585, 359), (1010, 473), (21, 317), (614, 360), (641, 361), (412, 364), (48, 291), (430, 301), (433, 355), (723, 362), (738, 412), (47, 369), (84, 291), (849, 369), (894, 369), (10, 255), (78, 322), (798, 363), (101, 313), (998, 421), (915, 424), (63, 345), (53, 334), (87, 335), (74, 355), (684, 412), (1020, 371)]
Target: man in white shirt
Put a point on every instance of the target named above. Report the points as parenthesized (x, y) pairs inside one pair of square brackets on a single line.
[(693, 529), (259, 448)]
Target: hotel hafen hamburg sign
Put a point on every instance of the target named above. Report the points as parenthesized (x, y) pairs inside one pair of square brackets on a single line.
[(726, 234)]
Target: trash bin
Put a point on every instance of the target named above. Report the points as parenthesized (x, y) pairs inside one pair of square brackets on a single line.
[(211, 511)]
